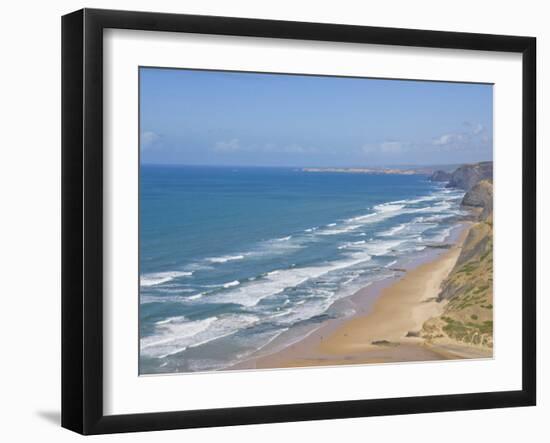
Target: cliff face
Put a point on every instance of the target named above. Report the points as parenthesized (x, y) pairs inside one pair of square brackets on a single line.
[(468, 290), (467, 176), (480, 196), (440, 176)]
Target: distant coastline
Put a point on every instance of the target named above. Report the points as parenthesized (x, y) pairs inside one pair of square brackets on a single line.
[(462, 176), (392, 171)]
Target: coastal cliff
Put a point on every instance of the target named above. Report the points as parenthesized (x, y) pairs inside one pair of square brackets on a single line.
[(480, 197), (467, 292), (440, 176), (466, 176)]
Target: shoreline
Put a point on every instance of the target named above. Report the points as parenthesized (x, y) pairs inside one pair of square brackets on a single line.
[(388, 316)]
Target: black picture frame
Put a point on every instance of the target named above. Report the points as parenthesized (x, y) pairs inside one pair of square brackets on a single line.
[(82, 218)]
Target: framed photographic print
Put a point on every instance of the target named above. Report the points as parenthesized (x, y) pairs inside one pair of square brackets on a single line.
[(269, 221)]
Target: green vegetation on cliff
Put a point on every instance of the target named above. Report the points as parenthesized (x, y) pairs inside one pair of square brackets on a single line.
[(468, 290)]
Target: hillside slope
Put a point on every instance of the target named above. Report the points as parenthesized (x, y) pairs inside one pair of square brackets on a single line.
[(467, 292)]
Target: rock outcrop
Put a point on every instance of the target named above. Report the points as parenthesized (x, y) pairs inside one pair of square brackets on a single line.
[(480, 196), (467, 176), (440, 176)]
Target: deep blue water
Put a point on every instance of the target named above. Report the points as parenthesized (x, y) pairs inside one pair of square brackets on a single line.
[(232, 257)]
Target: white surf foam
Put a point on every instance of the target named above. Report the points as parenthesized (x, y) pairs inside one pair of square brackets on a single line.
[(249, 294), (440, 236), (382, 247), (389, 207), (394, 230), (146, 299), (424, 199), (288, 237), (231, 284), (382, 212), (158, 278), (351, 245), (170, 320), (176, 334), (276, 246), (225, 258), (339, 230), (196, 296)]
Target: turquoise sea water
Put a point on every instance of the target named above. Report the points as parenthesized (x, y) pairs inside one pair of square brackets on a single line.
[(231, 257)]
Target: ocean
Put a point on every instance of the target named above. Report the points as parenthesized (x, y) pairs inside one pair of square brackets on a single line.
[(232, 258)]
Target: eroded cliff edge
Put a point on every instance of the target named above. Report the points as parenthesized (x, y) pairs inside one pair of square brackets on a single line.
[(467, 292), (466, 176)]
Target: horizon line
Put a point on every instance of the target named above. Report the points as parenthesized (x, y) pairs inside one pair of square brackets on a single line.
[(388, 166)]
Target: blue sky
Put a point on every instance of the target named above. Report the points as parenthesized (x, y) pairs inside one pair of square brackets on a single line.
[(228, 118)]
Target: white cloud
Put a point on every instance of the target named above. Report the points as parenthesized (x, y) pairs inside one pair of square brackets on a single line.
[(478, 129), (232, 145), (393, 146), (473, 137), (448, 139), (294, 149), (474, 133), (149, 139)]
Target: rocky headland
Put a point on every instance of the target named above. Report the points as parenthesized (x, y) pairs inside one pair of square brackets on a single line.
[(440, 176), (466, 176)]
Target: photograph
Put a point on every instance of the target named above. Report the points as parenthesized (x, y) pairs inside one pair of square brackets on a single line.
[(298, 220), (274, 222)]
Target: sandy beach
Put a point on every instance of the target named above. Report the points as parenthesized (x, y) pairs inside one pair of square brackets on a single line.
[(387, 331)]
